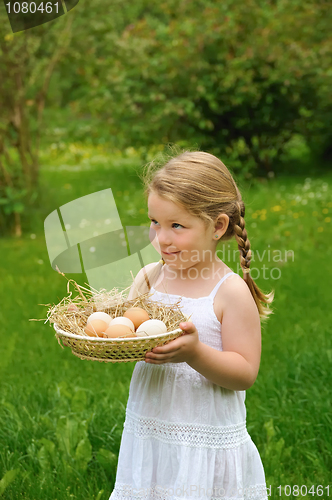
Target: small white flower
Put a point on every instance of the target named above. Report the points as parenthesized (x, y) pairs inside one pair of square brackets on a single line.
[(33, 236), (92, 249)]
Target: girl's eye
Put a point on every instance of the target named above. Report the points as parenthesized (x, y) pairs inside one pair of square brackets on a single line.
[(174, 224)]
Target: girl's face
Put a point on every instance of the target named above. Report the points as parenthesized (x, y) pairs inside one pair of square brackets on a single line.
[(181, 238)]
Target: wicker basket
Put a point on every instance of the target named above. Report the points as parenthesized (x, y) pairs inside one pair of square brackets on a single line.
[(69, 326), (113, 350)]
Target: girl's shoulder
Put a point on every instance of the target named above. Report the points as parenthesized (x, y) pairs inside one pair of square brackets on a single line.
[(140, 276), (233, 289), (146, 269)]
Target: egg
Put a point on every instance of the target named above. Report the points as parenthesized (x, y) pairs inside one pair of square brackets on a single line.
[(100, 315), (137, 315), (151, 327), (120, 320), (116, 331), (96, 328)]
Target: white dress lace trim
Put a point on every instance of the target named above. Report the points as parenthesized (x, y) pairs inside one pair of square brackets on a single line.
[(206, 436), (125, 491)]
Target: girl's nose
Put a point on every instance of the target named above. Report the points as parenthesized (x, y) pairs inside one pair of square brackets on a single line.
[(163, 237)]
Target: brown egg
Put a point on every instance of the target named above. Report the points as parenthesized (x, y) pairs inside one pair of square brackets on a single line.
[(116, 331), (96, 328), (137, 315)]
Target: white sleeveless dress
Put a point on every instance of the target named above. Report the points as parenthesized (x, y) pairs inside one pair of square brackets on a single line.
[(185, 437)]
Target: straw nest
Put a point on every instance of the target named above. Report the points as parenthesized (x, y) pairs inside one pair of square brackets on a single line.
[(69, 322)]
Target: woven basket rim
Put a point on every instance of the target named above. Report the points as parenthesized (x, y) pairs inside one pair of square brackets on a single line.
[(110, 340)]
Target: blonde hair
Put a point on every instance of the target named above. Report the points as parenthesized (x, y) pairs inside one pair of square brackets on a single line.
[(205, 188)]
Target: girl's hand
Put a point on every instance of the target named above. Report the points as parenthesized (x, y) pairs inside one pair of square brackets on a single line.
[(182, 349)]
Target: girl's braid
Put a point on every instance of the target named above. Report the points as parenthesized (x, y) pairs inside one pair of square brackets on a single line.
[(242, 239)]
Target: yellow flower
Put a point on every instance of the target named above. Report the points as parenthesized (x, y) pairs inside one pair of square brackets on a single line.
[(277, 208), (287, 233), (329, 204), (263, 217), (142, 210), (293, 202), (327, 219), (254, 216), (325, 211), (295, 215), (320, 229)]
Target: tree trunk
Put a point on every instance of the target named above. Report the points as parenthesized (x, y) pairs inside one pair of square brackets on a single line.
[(17, 227)]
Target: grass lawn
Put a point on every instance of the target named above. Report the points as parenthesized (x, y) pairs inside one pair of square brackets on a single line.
[(61, 417)]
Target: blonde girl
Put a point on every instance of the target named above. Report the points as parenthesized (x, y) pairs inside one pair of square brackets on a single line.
[(185, 432)]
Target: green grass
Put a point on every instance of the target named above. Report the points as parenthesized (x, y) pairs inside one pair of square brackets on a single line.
[(61, 417)]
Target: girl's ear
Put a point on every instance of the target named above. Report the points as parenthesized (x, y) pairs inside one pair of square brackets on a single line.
[(221, 224)]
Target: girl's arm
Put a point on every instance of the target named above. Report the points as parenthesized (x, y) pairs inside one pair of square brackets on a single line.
[(236, 366), (227, 369)]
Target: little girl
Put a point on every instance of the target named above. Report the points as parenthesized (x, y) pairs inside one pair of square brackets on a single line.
[(185, 432)]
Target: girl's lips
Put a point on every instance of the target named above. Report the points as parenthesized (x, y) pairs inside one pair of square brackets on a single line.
[(173, 253)]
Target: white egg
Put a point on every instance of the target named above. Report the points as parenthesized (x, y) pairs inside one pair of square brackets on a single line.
[(120, 320), (100, 315), (151, 327)]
